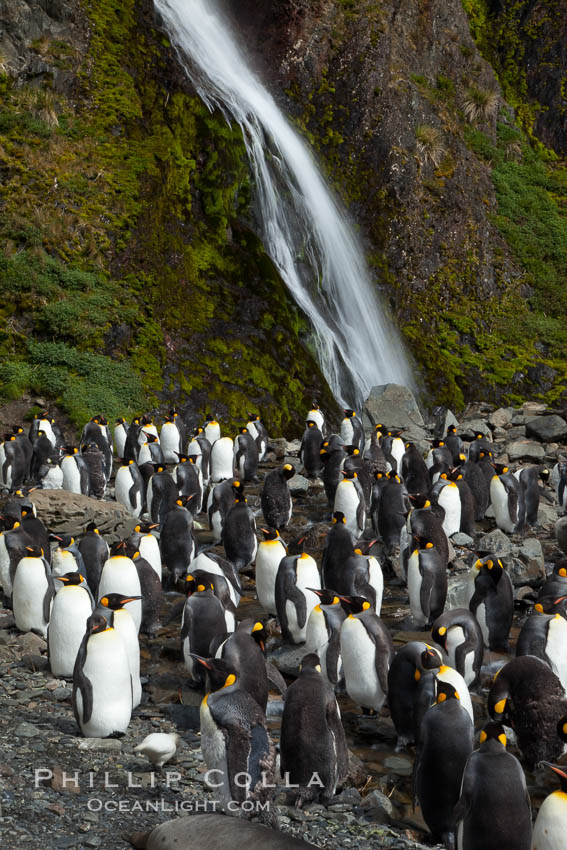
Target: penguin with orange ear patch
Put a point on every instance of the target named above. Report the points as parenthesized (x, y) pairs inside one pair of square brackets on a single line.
[(234, 738), (427, 582), (492, 602), (276, 498), (445, 743), (367, 652), (494, 811)]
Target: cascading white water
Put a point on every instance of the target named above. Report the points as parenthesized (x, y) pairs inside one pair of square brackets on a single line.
[(305, 234)]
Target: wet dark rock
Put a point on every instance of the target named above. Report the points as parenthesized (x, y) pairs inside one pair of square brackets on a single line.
[(547, 428), (395, 406), (525, 450), (495, 541)]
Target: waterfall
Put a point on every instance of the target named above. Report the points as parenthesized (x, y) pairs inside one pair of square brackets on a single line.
[(304, 232)]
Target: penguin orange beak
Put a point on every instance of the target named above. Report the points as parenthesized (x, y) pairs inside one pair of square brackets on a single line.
[(130, 599), (556, 769)]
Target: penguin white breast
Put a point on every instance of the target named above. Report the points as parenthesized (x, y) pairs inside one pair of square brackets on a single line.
[(347, 432), (316, 636), (144, 454), (71, 474), (222, 456), (550, 828), (45, 426), (119, 575), (414, 588), (480, 615), (556, 648), (170, 442), (54, 479), (62, 562), (398, 450), (71, 608), (149, 549), (376, 580), (347, 501), (107, 668), (126, 628), (454, 678), (28, 592), (122, 486), (450, 501), (212, 432), (358, 653), (213, 746), (5, 579), (499, 499), (268, 558), (119, 440), (317, 417), (455, 637)]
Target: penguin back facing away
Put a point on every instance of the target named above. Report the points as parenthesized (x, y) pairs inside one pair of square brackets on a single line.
[(312, 738), (276, 498), (494, 811), (446, 741), (492, 602)]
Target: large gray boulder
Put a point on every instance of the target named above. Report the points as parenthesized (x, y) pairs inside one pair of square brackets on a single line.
[(395, 405), (547, 429), (70, 513)]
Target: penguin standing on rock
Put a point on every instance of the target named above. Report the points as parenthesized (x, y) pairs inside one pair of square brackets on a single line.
[(276, 498), (96, 465), (494, 811), (96, 431), (312, 736), (102, 690), (529, 476), (527, 696), (75, 471)]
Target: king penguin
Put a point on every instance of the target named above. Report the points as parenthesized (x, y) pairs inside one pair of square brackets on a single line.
[(71, 609), (367, 652), (119, 575), (323, 634), (312, 740), (460, 635), (32, 592), (309, 451), (126, 628), (550, 827), (276, 498), (239, 532), (349, 500), (492, 603), (129, 488), (507, 497), (294, 600), (493, 812), (269, 555), (222, 459), (427, 583), (102, 689), (246, 455), (411, 665)]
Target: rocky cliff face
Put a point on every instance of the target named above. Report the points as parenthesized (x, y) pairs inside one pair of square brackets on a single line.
[(131, 266), (416, 134)]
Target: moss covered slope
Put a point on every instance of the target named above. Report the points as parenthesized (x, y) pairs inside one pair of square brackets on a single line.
[(131, 273)]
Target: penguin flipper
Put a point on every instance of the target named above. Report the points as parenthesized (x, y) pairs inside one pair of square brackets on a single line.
[(47, 599), (187, 624), (334, 724), (425, 592), (276, 678), (82, 684)]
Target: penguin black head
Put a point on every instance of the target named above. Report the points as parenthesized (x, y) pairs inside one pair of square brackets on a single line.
[(544, 475), (100, 621), (259, 634), (349, 414), (451, 429), (355, 604), (393, 476), (422, 542), (118, 549), (220, 672), (146, 527), (492, 737), (34, 552), (116, 601), (64, 540), (485, 454), (120, 421), (478, 435), (446, 691), (429, 659), (420, 500), (244, 430), (500, 468), (70, 450), (92, 526), (253, 417), (146, 419), (287, 471), (70, 579), (339, 518), (182, 458), (270, 533), (311, 661), (491, 566), (551, 605), (349, 474), (562, 729), (310, 424), (326, 595), (559, 770)]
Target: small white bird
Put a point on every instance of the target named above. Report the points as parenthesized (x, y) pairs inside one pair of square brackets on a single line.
[(159, 747)]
